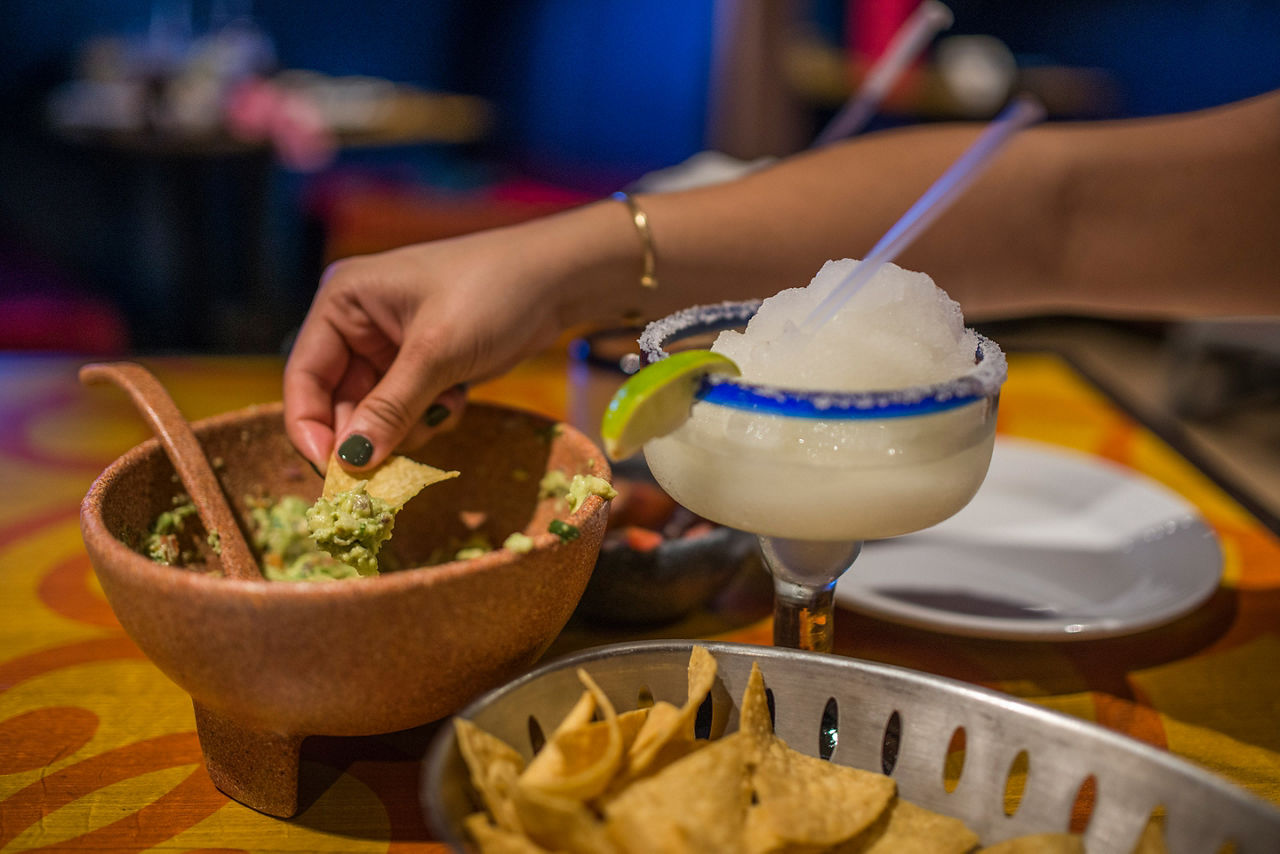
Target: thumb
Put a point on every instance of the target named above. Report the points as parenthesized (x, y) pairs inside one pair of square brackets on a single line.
[(386, 415)]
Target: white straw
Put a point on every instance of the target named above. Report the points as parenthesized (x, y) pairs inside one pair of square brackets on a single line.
[(1022, 112), (929, 19)]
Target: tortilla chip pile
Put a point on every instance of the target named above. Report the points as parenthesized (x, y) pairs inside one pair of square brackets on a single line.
[(640, 781)]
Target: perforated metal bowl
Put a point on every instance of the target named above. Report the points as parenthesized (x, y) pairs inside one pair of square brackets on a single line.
[(889, 719)]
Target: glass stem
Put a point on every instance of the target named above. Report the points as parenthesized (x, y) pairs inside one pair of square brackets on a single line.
[(803, 617), (804, 586)]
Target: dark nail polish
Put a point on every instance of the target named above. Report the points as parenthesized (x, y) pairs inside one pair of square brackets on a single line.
[(436, 413), (356, 450), (315, 468)]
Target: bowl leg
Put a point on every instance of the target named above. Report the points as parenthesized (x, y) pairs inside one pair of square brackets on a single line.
[(257, 767)]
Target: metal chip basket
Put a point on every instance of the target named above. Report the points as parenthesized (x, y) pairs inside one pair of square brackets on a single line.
[(894, 720)]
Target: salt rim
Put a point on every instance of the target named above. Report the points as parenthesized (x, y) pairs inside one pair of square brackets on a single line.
[(984, 380)]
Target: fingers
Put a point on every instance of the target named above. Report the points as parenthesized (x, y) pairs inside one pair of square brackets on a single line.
[(359, 380), (388, 336), (441, 416), (404, 409), (315, 368)]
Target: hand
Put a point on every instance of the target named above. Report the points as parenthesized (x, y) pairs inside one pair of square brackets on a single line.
[(393, 336)]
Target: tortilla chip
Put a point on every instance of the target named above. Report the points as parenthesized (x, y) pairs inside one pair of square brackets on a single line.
[(580, 715), (698, 803), (560, 823), (494, 766), (806, 801), (578, 762), (702, 674), (1039, 843), (1152, 839), (662, 724), (667, 734), (753, 714), (906, 828), (395, 480), (494, 840), (631, 723)]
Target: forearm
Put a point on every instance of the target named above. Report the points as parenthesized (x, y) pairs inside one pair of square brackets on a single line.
[(1168, 217), (1177, 216), (1163, 217), (774, 229)]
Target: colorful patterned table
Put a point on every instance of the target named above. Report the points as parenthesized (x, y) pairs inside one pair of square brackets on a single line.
[(98, 750)]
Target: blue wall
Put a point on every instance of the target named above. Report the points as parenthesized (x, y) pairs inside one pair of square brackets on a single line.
[(614, 83)]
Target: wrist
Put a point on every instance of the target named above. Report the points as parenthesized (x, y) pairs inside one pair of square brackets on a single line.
[(597, 259)]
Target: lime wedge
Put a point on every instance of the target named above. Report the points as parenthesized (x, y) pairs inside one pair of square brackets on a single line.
[(656, 399)]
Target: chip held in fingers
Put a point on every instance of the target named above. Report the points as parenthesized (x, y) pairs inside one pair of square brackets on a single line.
[(395, 480), (354, 516)]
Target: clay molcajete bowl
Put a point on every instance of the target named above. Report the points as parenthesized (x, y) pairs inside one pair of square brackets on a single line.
[(269, 663)]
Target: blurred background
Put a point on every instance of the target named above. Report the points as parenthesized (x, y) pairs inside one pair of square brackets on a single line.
[(175, 174)]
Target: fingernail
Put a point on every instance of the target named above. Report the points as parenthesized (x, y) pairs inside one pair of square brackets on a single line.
[(356, 450), (436, 413), (315, 468)]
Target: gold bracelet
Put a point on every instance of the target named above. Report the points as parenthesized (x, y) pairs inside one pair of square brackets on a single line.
[(648, 277)]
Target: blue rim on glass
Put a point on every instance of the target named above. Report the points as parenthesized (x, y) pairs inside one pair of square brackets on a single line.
[(983, 381)]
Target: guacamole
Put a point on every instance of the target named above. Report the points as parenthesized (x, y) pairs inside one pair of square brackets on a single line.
[(312, 566), (339, 536), (335, 538), (352, 526), (281, 535), (557, 484), (169, 540), (583, 485), (519, 542), (554, 484)]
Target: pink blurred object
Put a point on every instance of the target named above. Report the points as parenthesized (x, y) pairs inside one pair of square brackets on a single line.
[(62, 323), (249, 108), (871, 24), (41, 309), (261, 111)]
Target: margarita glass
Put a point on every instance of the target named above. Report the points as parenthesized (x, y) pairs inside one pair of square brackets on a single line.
[(815, 473)]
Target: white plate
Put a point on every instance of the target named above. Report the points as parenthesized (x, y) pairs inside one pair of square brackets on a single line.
[(1056, 545)]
